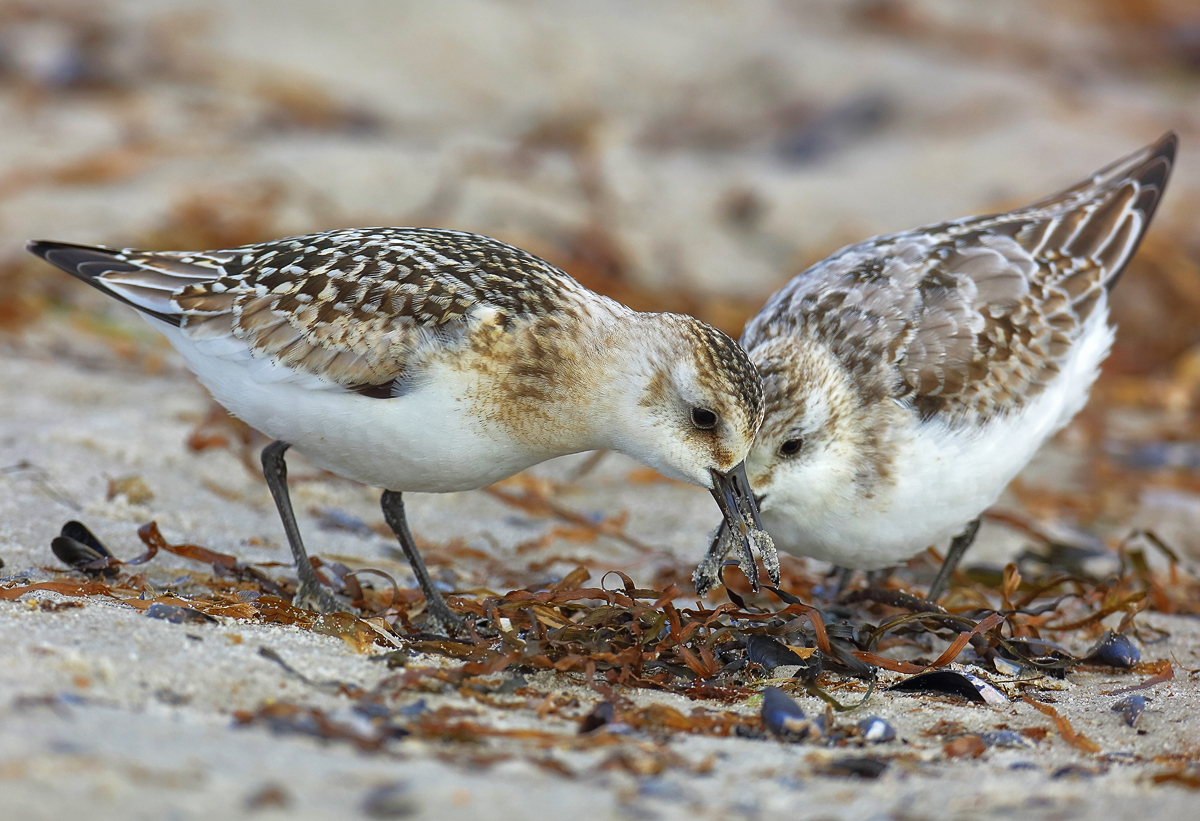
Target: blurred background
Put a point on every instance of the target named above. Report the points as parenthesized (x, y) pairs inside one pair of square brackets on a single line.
[(679, 156)]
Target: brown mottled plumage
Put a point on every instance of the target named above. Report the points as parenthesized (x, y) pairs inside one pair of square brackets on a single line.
[(909, 377), (972, 318), (430, 360)]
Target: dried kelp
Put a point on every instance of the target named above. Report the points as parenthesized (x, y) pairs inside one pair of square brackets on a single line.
[(617, 637)]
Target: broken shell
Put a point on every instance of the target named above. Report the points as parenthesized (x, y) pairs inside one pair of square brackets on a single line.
[(1114, 650), (875, 729), (854, 767), (1131, 709), (600, 715), (391, 801), (769, 653), (954, 683), (1004, 738), (784, 717), (177, 615), (1005, 667)]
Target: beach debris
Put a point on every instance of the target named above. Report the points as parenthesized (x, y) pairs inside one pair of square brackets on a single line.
[(283, 718), (812, 138), (600, 715), (269, 796), (966, 745), (617, 637), (1131, 709), (79, 548), (1114, 650), (1164, 671), (785, 718), (1076, 740), (952, 683), (875, 730), (390, 801), (178, 615), (1185, 775), (770, 654), (133, 488), (1005, 738), (868, 768)]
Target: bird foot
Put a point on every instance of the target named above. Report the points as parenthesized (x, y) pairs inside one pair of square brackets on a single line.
[(315, 596), (442, 620)]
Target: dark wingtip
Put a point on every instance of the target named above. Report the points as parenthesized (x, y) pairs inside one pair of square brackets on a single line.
[(1152, 175), (1157, 167), (39, 247), (1167, 145), (88, 263)]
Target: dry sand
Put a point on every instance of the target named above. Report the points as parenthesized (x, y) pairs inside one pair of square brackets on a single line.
[(110, 713), (667, 127)]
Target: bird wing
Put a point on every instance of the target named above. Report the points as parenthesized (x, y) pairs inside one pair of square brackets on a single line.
[(974, 317), (354, 307)]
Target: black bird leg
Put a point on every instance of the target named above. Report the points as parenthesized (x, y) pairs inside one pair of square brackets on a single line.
[(438, 615), (957, 548), (845, 575), (312, 594), (877, 578)]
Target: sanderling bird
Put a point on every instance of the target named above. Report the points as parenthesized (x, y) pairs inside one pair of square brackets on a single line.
[(414, 359), (908, 378)]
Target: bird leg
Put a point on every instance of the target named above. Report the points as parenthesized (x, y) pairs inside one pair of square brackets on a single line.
[(877, 578), (845, 576), (438, 615), (311, 594), (957, 548)]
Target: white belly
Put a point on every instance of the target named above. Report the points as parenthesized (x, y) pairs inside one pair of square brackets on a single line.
[(945, 477), (424, 441)]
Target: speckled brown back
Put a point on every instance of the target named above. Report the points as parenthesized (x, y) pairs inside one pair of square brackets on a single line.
[(971, 319), (352, 305)]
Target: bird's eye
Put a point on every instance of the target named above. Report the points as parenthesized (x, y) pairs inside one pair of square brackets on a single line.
[(703, 418), (791, 447)]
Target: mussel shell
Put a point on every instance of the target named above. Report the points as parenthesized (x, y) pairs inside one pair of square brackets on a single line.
[(79, 532), (855, 767), (876, 730), (1115, 650), (1130, 708), (1004, 738), (80, 556), (177, 615), (769, 653), (953, 683), (785, 718), (600, 715)]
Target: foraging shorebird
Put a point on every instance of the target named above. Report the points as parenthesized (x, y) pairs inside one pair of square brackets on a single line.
[(416, 359), (908, 378)]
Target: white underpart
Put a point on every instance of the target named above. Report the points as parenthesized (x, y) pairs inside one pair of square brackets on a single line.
[(425, 441), (944, 477)]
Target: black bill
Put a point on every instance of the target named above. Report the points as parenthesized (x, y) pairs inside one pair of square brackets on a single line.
[(742, 526)]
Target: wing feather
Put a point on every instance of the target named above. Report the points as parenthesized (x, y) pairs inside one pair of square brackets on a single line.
[(355, 307), (973, 318)]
